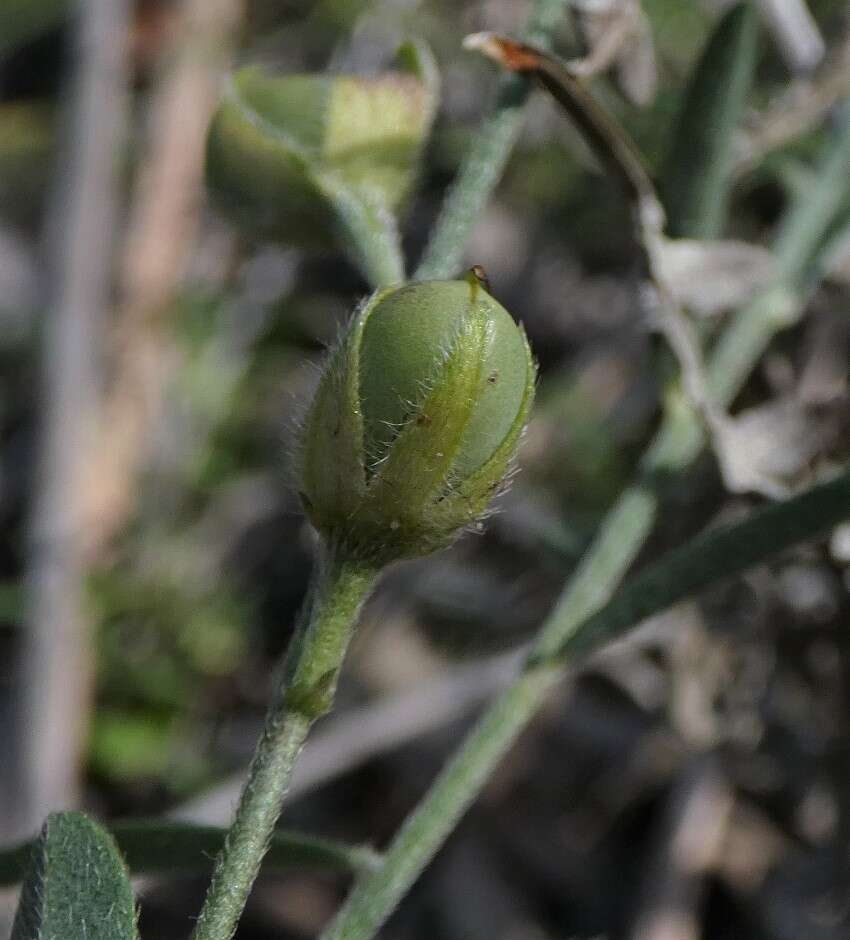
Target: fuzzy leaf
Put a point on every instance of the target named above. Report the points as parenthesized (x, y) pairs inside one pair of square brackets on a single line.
[(77, 887), (303, 157), (374, 133)]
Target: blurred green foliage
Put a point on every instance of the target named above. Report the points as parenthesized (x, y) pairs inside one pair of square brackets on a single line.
[(26, 151), (24, 20), (162, 641)]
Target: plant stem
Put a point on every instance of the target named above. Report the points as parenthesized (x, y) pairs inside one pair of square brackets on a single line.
[(703, 561), (370, 233), (310, 674), (484, 163)]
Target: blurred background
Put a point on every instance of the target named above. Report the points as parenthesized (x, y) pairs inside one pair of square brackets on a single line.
[(692, 781)]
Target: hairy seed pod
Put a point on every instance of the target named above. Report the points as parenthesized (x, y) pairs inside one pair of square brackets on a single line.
[(416, 419)]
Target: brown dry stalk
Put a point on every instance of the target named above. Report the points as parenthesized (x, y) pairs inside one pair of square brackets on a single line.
[(162, 230), (51, 686)]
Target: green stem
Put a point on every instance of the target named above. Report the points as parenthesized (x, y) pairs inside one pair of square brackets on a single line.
[(700, 563), (484, 163), (310, 675), (620, 538)]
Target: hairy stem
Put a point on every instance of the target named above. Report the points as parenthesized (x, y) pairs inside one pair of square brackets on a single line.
[(310, 674), (370, 233), (483, 165)]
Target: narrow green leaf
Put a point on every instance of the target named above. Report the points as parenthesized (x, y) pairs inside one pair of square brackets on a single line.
[(710, 557), (697, 178), (77, 887), (156, 847), (610, 143), (814, 208)]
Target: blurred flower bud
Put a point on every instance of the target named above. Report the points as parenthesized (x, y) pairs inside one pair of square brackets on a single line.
[(283, 149), (416, 419)]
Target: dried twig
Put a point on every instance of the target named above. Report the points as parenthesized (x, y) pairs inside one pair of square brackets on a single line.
[(54, 671), (162, 230)]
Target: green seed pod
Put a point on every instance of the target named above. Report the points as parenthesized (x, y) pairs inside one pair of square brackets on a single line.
[(281, 148), (416, 419)]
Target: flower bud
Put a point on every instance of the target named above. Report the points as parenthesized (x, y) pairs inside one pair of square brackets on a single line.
[(281, 147), (416, 419)]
